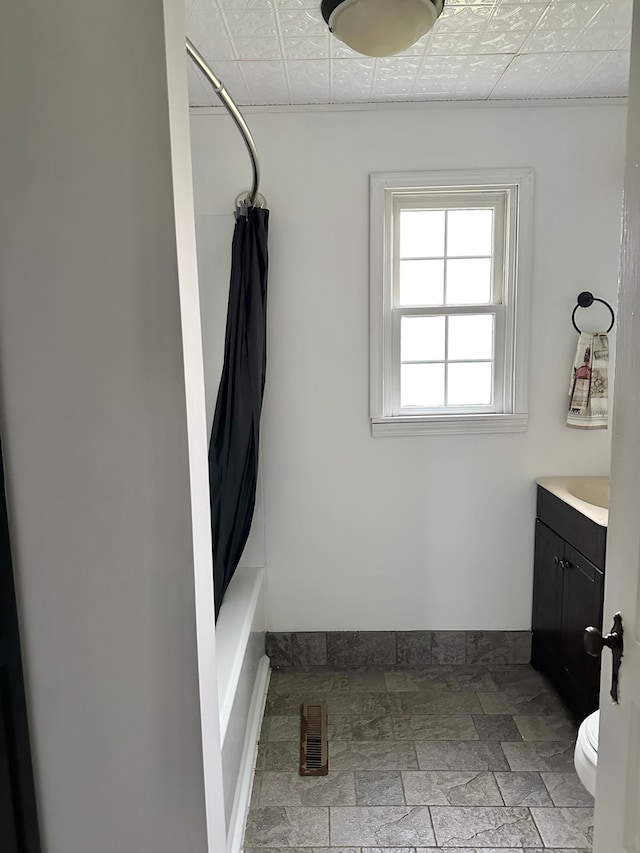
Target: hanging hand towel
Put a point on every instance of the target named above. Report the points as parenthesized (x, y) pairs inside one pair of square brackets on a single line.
[(588, 389)]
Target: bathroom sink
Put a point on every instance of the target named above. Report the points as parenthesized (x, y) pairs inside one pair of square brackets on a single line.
[(591, 490), (589, 495)]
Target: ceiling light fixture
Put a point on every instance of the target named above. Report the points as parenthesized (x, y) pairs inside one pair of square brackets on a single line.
[(380, 27)]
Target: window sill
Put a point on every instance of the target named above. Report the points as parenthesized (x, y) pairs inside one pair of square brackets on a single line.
[(448, 424)]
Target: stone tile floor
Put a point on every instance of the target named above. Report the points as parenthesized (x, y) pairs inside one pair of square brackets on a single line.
[(467, 760)]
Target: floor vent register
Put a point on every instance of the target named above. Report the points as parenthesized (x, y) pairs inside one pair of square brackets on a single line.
[(314, 753)]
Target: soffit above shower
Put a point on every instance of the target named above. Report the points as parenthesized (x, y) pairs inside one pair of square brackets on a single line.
[(270, 52)]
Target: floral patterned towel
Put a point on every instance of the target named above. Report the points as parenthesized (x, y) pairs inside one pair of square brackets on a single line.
[(589, 385)]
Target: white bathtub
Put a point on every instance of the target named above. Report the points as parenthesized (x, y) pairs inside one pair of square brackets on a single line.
[(243, 677)]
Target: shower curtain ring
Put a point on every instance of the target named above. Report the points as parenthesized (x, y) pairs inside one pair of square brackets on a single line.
[(258, 201)]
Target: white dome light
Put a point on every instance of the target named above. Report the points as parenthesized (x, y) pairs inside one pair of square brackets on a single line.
[(380, 27)]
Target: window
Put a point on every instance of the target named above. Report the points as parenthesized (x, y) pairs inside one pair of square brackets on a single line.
[(449, 266)]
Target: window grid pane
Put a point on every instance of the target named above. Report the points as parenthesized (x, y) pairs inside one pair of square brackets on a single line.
[(469, 281), (422, 385), (470, 232), (470, 337), (458, 382), (420, 235), (470, 384), (421, 281), (422, 339)]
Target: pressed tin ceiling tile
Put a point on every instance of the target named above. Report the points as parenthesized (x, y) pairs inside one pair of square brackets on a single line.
[(522, 17), (463, 19), (575, 66), (499, 43), (267, 82), (206, 28), (611, 74), (615, 13), (569, 72), (353, 79), (523, 75), (307, 48), (451, 44), (388, 69), (354, 73), (310, 81), (259, 48), (259, 5), (280, 52), (595, 37), (550, 41), (251, 23), (297, 4), (570, 15), (301, 22)]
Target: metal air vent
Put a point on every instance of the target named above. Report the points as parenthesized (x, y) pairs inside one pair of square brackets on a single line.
[(314, 753)]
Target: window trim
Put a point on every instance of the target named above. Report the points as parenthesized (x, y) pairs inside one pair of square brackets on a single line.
[(384, 188)]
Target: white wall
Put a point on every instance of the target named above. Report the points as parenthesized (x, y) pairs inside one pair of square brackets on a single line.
[(100, 425), (431, 532)]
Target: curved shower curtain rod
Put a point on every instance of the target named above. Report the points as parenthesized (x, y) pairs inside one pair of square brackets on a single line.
[(253, 195)]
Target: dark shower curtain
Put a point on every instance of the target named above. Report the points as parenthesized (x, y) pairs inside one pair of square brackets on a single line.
[(233, 451)]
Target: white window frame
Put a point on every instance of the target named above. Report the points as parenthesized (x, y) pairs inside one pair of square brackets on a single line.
[(393, 191)]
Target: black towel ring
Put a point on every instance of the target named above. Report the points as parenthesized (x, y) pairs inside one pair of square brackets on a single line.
[(585, 300)]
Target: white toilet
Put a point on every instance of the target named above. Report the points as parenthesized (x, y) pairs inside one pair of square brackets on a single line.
[(586, 752)]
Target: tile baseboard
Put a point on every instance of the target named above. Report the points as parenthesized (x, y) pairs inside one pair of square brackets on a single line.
[(397, 649)]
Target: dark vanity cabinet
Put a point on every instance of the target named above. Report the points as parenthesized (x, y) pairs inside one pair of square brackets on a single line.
[(568, 595)]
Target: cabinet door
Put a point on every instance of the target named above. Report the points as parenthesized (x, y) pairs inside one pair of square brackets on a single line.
[(547, 600), (582, 598)]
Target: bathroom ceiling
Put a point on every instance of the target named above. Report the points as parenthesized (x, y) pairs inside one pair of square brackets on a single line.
[(280, 52)]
